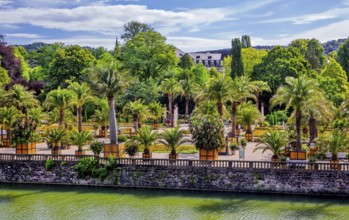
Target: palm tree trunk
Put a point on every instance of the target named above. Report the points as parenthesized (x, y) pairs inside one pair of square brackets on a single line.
[(312, 129), (220, 109), (112, 121), (233, 119), (257, 101), (61, 117), (79, 118), (135, 122), (298, 129), (186, 105), (170, 108)]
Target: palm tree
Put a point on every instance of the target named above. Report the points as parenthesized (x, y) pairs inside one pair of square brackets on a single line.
[(186, 81), (296, 94), (336, 142), (155, 112), (54, 117), (172, 139), (21, 98), (272, 141), (55, 136), (259, 87), (7, 118), (172, 88), (137, 111), (217, 90), (81, 138), (82, 96), (248, 115), (241, 88), (146, 138), (61, 99), (101, 119), (108, 79)]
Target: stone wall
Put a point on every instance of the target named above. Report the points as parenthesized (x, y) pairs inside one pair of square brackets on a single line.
[(192, 178)]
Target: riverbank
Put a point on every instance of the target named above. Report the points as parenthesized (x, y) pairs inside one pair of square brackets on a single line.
[(196, 178)]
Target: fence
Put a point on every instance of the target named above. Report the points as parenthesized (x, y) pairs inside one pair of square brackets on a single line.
[(180, 163)]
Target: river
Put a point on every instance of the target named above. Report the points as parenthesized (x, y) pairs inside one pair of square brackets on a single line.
[(65, 202)]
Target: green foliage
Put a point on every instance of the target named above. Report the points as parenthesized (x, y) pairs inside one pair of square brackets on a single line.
[(206, 131), (132, 28), (122, 138), (81, 138), (131, 147), (272, 141), (250, 58), (147, 91), (97, 147), (172, 139), (247, 115), (86, 167), (186, 62), (237, 67), (55, 136), (343, 56), (22, 131), (245, 41), (277, 117), (243, 142), (49, 164), (70, 63), (147, 54), (234, 146), (278, 64), (336, 142), (4, 78), (146, 137), (312, 50)]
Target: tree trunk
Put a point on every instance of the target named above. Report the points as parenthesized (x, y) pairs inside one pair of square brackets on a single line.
[(220, 109), (233, 119), (155, 122), (79, 118), (312, 129), (112, 121), (298, 129), (135, 122), (186, 105), (170, 109), (61, 117)]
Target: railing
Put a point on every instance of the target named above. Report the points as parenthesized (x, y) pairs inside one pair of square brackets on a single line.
[(180, 163)]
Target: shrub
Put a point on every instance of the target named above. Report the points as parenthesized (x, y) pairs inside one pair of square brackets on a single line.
[(312, 159), (234, 146), (122, 138), (131, 148), (243, 142), (49, 164), (283, 158), (96, 147), (320, 156), (86, 167)]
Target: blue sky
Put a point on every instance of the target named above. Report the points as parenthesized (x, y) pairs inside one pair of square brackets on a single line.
[(190, 25)]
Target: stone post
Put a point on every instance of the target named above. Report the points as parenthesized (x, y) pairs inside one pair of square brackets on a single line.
[(175, 116), (262, 110)]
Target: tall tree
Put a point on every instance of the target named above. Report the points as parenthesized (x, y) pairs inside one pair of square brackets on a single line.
[(296, 94), (132, 28), (186, 62), (117, 50), (60, 99), (108, 79), (70, 63), (147, 54), (81, 96), (343, 56), (237, 67), (172, 88), (245, 41), (217, 90), (312, 50), (241, 88), (185, 78)]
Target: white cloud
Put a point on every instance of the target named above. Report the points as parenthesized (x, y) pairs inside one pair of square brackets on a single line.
[(24, 35), (310, 18), (190, 44), (108, 43), (5, 2)]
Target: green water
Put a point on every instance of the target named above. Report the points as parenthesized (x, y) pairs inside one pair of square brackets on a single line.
[(58, 202)]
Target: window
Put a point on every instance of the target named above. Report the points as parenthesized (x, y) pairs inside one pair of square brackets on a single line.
[(197, 57), (209, 57)]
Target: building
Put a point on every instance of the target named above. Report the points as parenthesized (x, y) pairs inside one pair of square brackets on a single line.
[(208, 59)]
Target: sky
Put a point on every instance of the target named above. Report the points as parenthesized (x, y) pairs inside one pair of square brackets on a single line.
[(190, 25)]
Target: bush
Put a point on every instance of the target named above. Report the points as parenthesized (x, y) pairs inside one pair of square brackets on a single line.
[(234, 146), (49, 164), (86, 167), (122, 138), (243, 142), (96, 147), (283, 158), (131, 148), (320, 156), (312, 159)]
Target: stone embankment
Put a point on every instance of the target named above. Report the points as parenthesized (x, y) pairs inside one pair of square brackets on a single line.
[(283, 181)]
